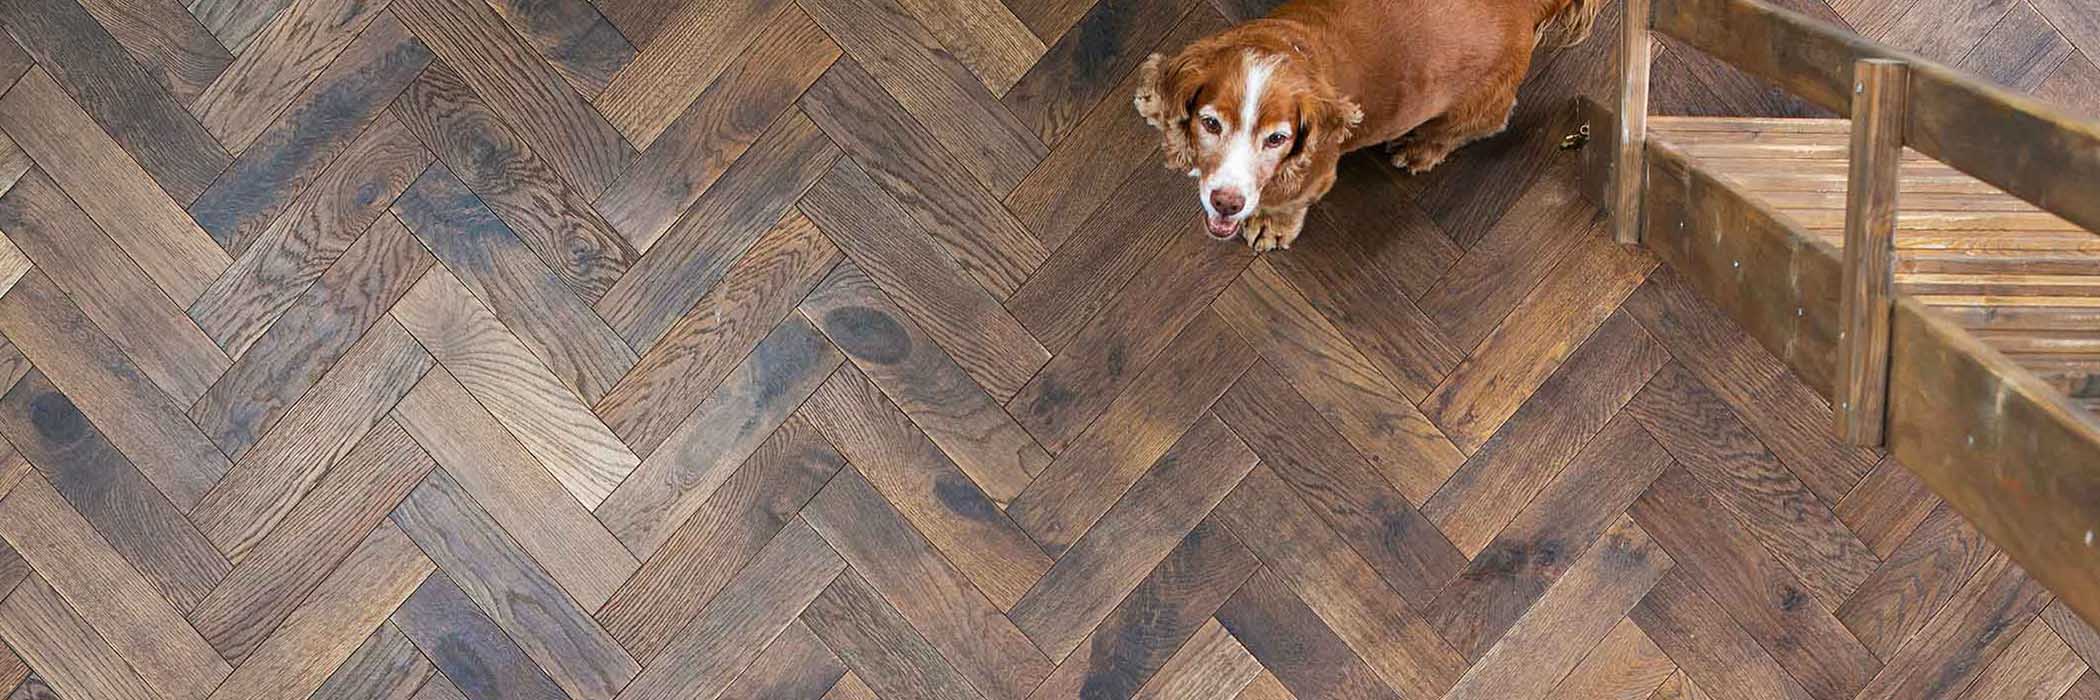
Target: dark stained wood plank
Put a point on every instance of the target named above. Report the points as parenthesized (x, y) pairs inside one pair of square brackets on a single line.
[(1089, 61), (1373, 222), (1549, 429), (13, 60), (501, 67), (934, 86), (511, 488), (274, 574), (1697, 634), (464, 644), (879, 647), (1781, 511), (720, 538), (1111, 559), (288, 162), (134, 109), (760, 603), (1339, 381), (679, 267), (1626, 665), (639, 20), (2037, 665), (1886, 507), (39, 625), (347, 201), (550, 218), (327, 628), (1163, 402), (132, 515), (1577, 612), (931, 593), (698, 43), (1168, 607), (386, 667), (1290, 640), (277, 64), (795, 665), (921, 482), (2074, 631), (110, 188), (2021, 50), (1714, 552), (1920, 576), (110, 288), (106, 592), (560, 329), (14, 162), (704, 136), (1100, 250), (982, 34), (165, 41), (13, 671), (1566, 307), (1211, 665), (2087, 688), (506, 583), (235, 22), (754, 399), (315, 331), (925, 383), (1105, 354), (1537, 548), (907, 161), (1539, 230), (115, 395), (1984, 618), (680, 370), (1346, 491), (880, 236), (582, 45), (1324, 570)]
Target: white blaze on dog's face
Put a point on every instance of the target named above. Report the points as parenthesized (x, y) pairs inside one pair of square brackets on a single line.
[(1241, 134)]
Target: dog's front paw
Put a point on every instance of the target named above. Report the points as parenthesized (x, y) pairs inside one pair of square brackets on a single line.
[(1418, 157), (1267, 233)]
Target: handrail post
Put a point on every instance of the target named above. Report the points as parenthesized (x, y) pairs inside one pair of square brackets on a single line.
[(1629, 156), (1879, 111)]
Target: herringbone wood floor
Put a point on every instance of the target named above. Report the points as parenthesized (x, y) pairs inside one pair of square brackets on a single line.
[(860, 348)]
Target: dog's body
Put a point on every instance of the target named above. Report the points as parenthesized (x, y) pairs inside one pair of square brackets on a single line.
[(1325, 77)]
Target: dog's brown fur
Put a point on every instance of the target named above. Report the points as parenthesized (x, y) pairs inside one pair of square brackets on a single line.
[(1423, 77)]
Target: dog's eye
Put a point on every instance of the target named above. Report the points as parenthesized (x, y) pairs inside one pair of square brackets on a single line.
[(1275, 140), (1211, 125)]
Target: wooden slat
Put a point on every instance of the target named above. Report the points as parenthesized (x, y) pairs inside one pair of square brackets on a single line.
[(983, 35), (1075, 73), (166, 41), (697, 44), (463, 643), (321, 633), (1102, 246), (1919, 577), (386, 667), (581, 45), (2007, 138), (1629, 140), (1985, 616), (1211, 665), (276, 64), (1698, 634), (1290, 640), (1626, 665), (2037, 664), (1879, 109), (880, 648), (40, 625)]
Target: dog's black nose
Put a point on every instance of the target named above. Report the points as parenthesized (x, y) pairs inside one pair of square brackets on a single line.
[(1227, 202)]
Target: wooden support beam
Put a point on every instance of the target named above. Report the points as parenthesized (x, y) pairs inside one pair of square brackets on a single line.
[(1631, 138), (1879, 111)]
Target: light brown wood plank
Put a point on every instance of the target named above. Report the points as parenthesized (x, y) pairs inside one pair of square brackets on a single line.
[(386, 667), (581, 45), (983, 35), (2068, 626), (795, 665), (1087, 64), (694, 461), (1916, 580), (14, 162), (110, 187), (322, 632), (1886, 507), (691, 51), (40, 625), (1626, 665), (276, 64), (879, 647), (463, 643), (1697, 634), (2037, 665), (1292, 641), (1265, 687), (166, 42), (1211, 665), (1985, 617), (851, 687)]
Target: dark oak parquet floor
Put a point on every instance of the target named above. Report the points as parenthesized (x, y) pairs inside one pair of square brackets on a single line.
[(846, 349)]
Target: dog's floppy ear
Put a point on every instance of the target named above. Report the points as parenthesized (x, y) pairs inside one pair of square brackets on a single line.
[(1325, 120), (1163, 95)]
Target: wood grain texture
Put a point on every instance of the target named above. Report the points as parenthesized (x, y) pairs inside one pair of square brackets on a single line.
[(145, 120), (277, 64), (464, 644), (1697, 633), (234, 22), (166, 42), (1099, 248), (1211, 664), (984, 35), (1288, 638), (1879, 109), (795, 665), (1919, 577), (385, 667), (1088, 63), (581, 44), (879, 647), (2037, 665), (697, 44), (1985, 617), (1626, 665), (1498, 270), (43, 628), (325, 630)]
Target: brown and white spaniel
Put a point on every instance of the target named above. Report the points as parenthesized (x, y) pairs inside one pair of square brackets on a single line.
[(1262, 112)]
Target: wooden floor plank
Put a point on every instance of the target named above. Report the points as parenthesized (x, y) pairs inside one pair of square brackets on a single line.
[(983, 35), (1698, 634), (934, 495), (795, 665), (1887, 506), (341, 204), (275, 574), (79, 462), (166, 42), (326, 423), (754, 399), (506, 583), (2082, 638), (1371, 234), (386, 667), (40, 625), (759, 604), (678, 267), (1332, 581), (110, 188), (560, 126), (907, 161), (1111, 559), (582, 45), (1339, 381), (110, 288), (1076, 73), (13, 671), (851, 687), (1578, 401), (905, 260), (1133, 432), (879, 647), (324, 631), (136, 110), (276, 64), (1290, 640), (520, 392), (925, 383), (1211, 665), (720, 538), (1917, 579), (463, 643), (1549, 223), (678, 372), (939, 601), (116, 396), (107, 593), (315, 331), (1168, 607), (472, 242), (2037, 665), (703, 137), (697, 44), (515, 490), (1099, 251), (1626, 665), (1985, 617)]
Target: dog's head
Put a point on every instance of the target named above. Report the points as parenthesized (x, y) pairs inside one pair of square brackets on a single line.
[(1242, 120)]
